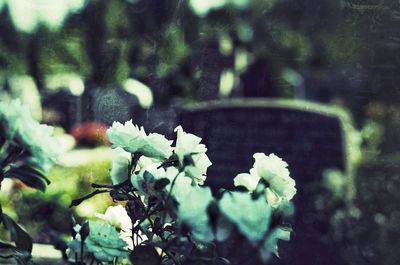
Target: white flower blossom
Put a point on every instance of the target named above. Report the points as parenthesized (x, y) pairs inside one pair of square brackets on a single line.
[(117, 217), (273, 170), (249, 181), (147, 163), (188, 145), (147, 169), (133, 139), (121, 160), (203, 7), (103, 241)]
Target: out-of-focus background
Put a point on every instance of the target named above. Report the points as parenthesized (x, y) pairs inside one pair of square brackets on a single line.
[(82, 64)]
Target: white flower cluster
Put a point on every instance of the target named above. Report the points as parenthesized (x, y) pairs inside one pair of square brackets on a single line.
[(102, 240), (155, 169), (20, 128), (117, 217), (128, 139), (108, 239), (202, 7), (274, 171), (133, 139)]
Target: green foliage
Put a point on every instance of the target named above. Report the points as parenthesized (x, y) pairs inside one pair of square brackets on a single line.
[(29, 176), (22, 240), (169, 217)]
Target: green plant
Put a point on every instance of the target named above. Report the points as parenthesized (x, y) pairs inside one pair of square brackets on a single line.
[(170, 217), (27, 149)]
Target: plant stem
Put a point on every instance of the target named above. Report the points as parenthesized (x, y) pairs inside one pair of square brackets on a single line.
[(91, 263), (81, 251), (95, 185), (90, 195)]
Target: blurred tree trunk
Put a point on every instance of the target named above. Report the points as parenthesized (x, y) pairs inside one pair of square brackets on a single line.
[(33, 59), (211, 66), (102, 21)]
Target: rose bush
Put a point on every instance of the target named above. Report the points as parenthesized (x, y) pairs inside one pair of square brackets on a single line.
[(169, 216)]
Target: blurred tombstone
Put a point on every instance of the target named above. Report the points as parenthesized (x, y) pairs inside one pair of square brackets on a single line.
[(211, 64), (113, 104), (309, 137), (159, 117)]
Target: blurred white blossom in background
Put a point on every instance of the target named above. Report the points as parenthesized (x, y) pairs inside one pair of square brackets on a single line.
[(30, 134), (28, 15)]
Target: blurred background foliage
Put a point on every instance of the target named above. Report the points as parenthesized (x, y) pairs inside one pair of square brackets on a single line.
[(167, 52)]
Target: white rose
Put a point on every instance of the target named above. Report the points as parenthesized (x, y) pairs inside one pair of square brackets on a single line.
[(117, 217), (274, 170), (132, 139), (249, 181), (188, 144), (120, 165), (141, 183)]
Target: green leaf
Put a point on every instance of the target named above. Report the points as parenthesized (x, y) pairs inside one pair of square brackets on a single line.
[(161, 184), (23, 258), (35, 172), (147, 176), (145, 255), (1, 214), (5, 245), (21, 238), (29, 176)]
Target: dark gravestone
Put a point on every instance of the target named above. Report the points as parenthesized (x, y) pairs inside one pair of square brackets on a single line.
[(310, 140), (113, 104)]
